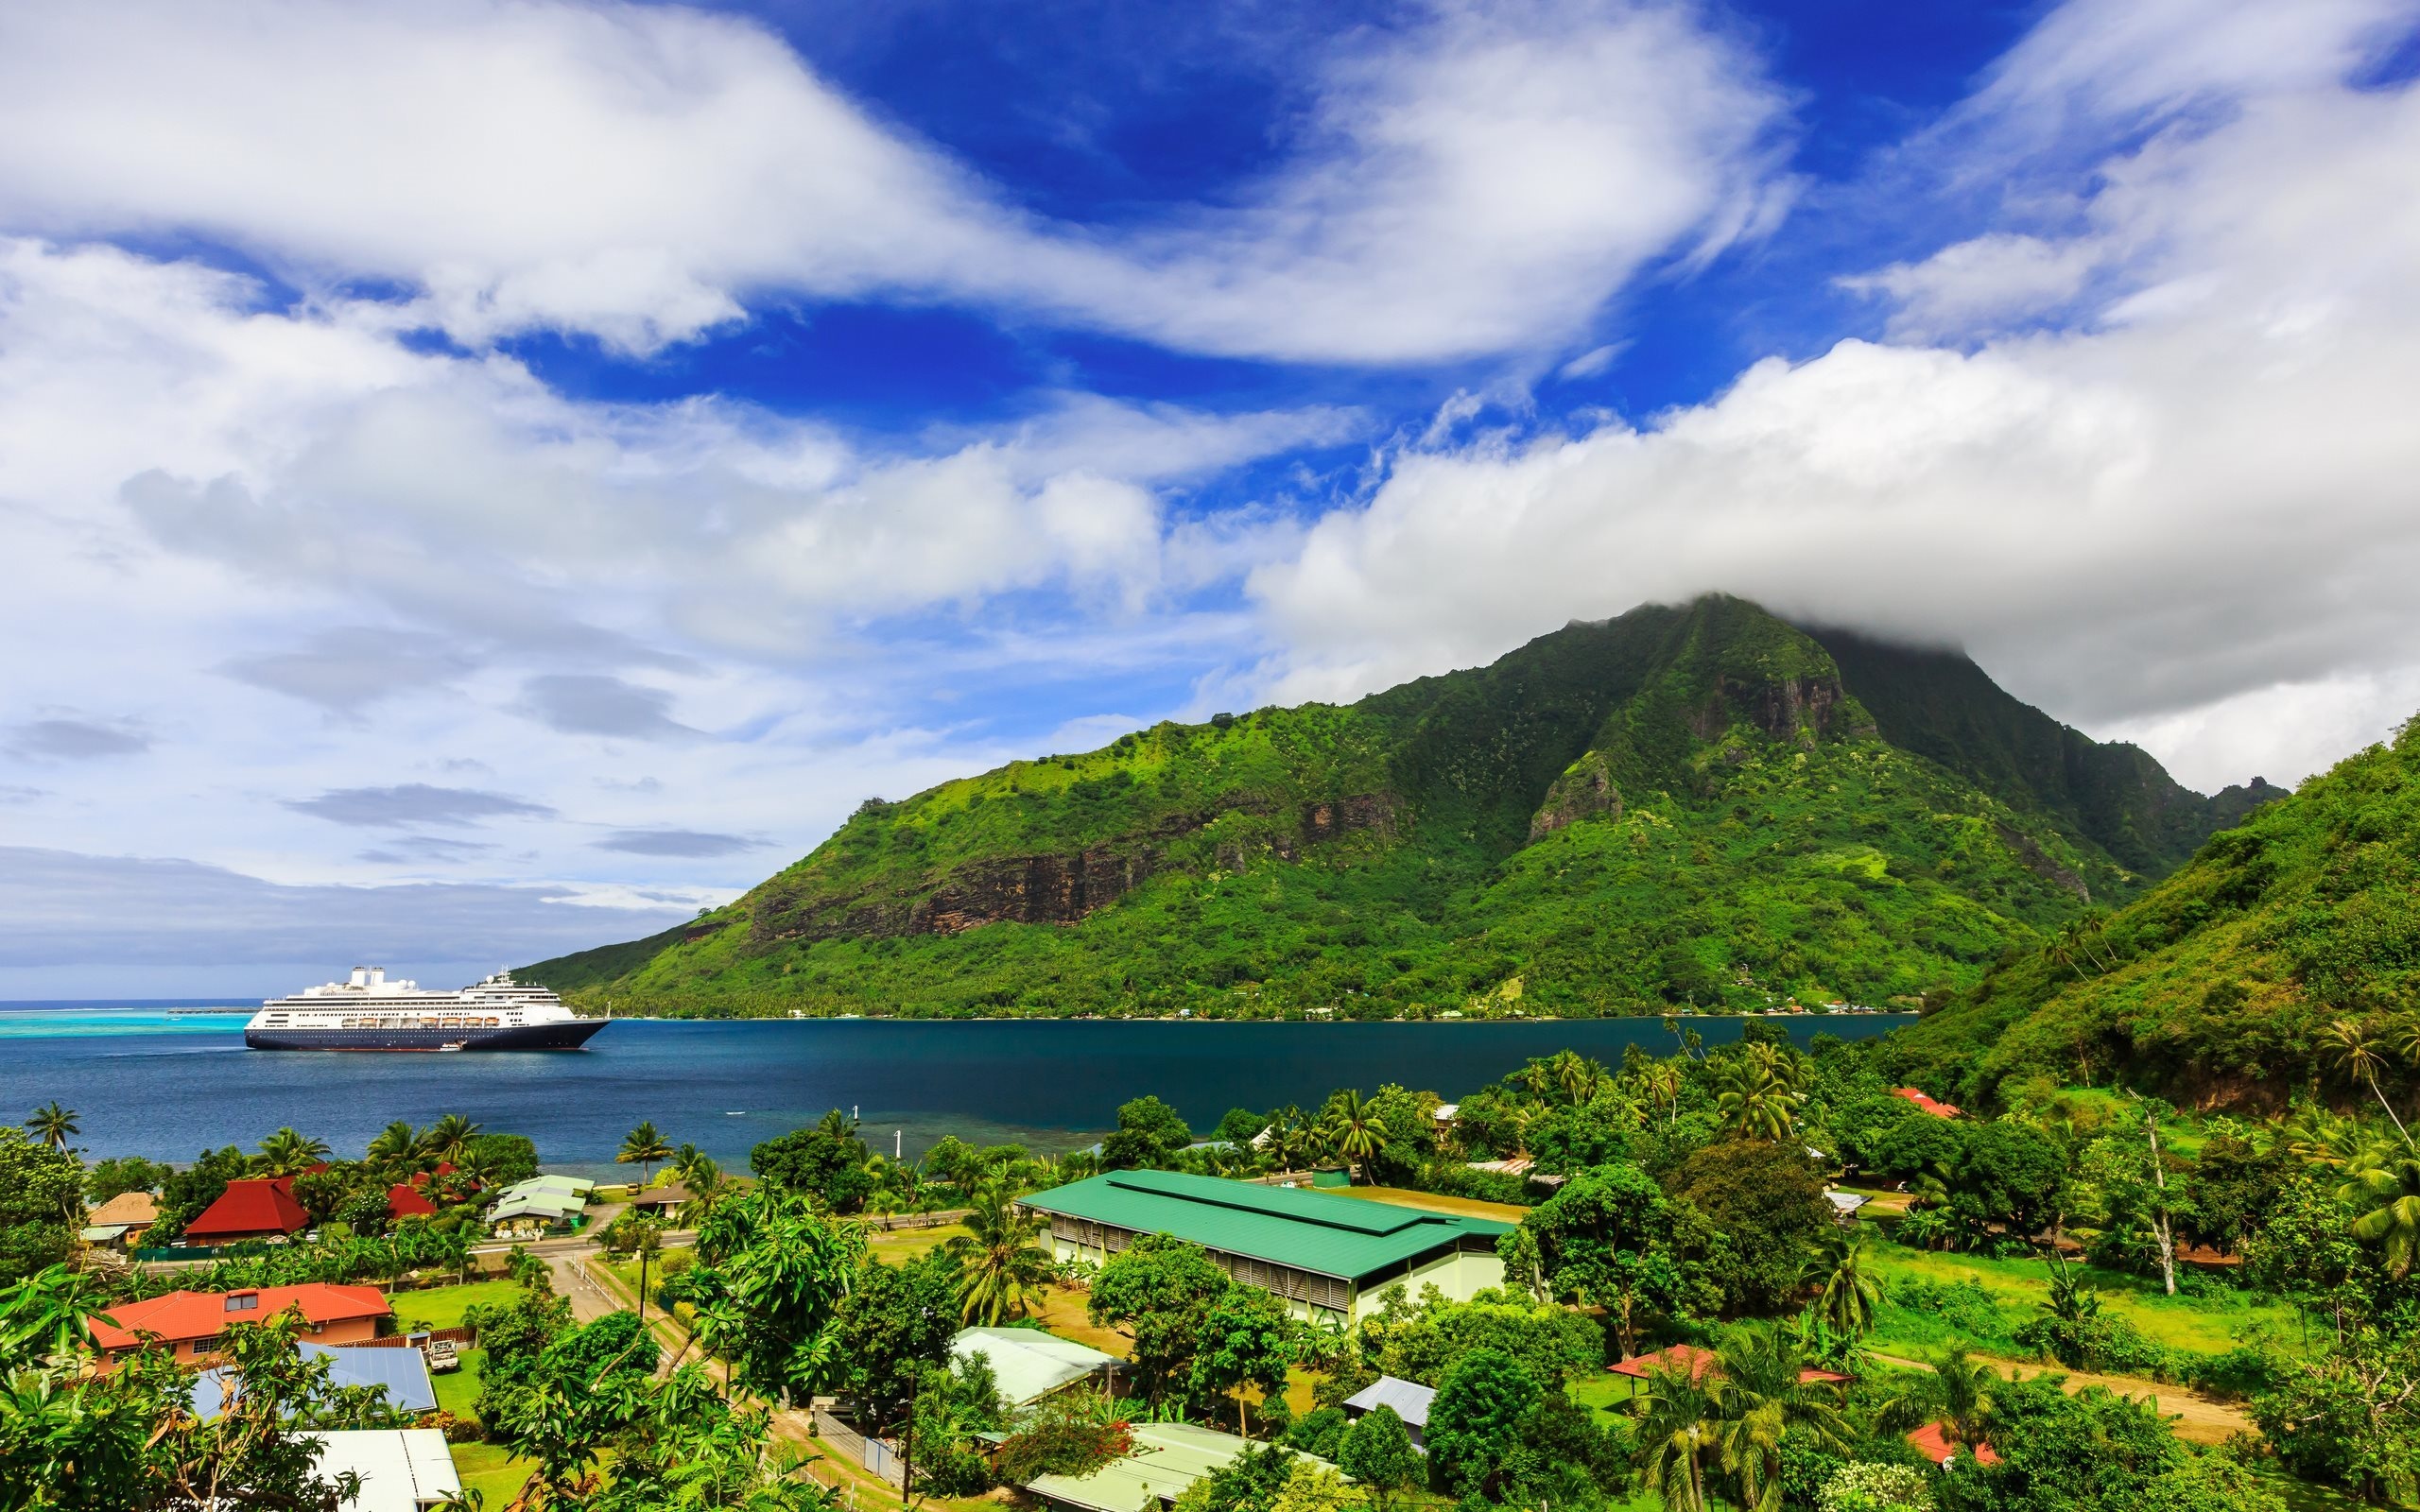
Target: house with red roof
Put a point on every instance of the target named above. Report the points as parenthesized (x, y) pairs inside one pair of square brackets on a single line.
[(254, 1208), (1937, 1110), (190, 1324), (405, 1199), (1934, 1443), (1699, 1363)]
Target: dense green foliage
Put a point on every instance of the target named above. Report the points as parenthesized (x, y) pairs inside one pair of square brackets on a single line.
[(1696, 805), (2225, 980)]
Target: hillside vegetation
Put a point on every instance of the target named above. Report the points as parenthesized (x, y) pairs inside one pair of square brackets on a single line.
[(2223, 983), (1695, 805)]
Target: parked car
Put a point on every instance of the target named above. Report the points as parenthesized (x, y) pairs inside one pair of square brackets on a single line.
[(441, 1356)]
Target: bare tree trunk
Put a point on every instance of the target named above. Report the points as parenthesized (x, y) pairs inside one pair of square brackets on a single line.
[(2165, 1227)]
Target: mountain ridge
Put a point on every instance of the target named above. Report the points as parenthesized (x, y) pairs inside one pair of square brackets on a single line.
[(1693, 804)]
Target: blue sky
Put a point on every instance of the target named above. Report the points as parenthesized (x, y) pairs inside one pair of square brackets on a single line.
[(480, 478)]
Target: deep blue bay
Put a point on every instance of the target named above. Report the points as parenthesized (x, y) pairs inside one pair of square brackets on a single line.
[(144, 1081)]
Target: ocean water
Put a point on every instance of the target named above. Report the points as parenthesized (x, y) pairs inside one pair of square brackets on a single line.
[(148, 1081)]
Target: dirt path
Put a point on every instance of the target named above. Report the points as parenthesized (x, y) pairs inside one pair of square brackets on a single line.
[(2199, 1418)]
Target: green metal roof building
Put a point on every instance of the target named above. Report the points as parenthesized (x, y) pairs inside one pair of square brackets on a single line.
[(1325, 1254)]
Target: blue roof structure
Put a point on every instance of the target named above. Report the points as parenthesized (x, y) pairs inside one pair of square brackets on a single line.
[(401, 1372)]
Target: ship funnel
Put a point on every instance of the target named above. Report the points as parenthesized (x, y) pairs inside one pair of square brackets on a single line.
[(360, 976), (377, 976)]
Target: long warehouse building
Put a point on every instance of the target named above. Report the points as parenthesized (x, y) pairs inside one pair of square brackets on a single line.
[(1323, 1254)]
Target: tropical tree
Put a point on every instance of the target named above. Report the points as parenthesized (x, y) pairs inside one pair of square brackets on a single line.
[(1677, 1439), (1000, 1269), (2358, 1055), (398, 1145), (449, 1139), (1355, 1129), (53, 1124), (1378, 1451), (1760, 1396), (2388, 1196), (773, 1273), (707, 1186), (1754, 1101), (1847, 1293), (643, 1147), (290, 1152)]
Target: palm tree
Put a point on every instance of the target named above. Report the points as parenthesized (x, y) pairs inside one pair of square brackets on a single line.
[(1754, 1102), (2350, 1045), (1000, 1268), (1847, 1292), (707, 1188), (643, 1148), (290, 1152), (397, 1145), (2389, 1193), (449, 1138), (1677, 1435), (1662, 1083), (1956, 1394), (53, 1124), (1357, 1130), (1759, 1398)]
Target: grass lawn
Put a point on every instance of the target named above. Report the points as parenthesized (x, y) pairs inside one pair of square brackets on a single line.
[(903, 1244), (1601, 1390), (482, 1467), (492, 1471), (1434, 1202), (442, 1307), (2208, 1324), (1062, 1313), (457, 1389)]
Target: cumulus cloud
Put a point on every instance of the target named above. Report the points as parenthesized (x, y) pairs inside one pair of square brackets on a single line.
[(76, 740), (1478, 178), (681, 843), (415, 803), (2202, 494)]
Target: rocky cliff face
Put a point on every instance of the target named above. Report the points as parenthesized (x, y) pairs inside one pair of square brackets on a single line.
[(1063, 887), (1585, 791)]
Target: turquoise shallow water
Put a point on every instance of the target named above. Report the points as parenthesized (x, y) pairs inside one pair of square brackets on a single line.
[(149, 1082)]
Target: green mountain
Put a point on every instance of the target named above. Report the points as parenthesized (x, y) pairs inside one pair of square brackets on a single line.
[(2219, 983), (1684, 805)]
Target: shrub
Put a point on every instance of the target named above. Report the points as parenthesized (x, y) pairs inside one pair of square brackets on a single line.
[(1869, 1488)]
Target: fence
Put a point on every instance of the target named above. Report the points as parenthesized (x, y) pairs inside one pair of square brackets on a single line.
[(875, 1455), (889, 1222), (399, 1341)]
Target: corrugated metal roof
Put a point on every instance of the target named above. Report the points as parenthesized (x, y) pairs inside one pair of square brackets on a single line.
[(1409, 1399), (1167, 1457), (1027, 1363), (1345, 1237), (401, 1373)]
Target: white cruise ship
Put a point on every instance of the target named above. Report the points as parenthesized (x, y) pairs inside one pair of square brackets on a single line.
[(367, 1011)]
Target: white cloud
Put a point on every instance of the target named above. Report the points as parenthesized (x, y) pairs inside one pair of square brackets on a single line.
[(2204, 496), (1480, 179), (1987, 282)]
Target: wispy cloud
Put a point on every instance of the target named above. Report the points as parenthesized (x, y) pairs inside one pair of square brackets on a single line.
[(414, 803), (76, 740)]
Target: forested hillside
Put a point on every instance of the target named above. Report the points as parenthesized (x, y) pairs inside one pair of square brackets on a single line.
[(1695, 805), (2224, 983)]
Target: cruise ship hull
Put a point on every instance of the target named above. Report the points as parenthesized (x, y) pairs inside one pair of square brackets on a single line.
[(566, 1035)]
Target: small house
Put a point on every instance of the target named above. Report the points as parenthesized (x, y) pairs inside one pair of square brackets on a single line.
[(260, 1208), (122, 1220), (402, 1374), (191, 1324), (404, 1470), (1408, 1399), (1029, 1365)]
